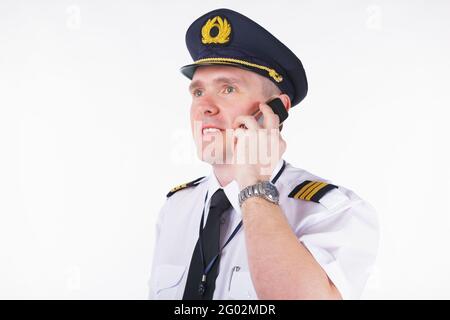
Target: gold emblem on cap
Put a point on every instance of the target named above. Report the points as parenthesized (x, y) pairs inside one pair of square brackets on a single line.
[(224, 31)]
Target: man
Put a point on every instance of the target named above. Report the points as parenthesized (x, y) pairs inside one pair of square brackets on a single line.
[(256, 227)]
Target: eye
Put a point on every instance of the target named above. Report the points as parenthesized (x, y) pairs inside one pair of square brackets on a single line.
[(229, 89), (197, 93)]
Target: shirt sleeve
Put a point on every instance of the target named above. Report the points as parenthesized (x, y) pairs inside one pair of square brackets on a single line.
[(344, 241)]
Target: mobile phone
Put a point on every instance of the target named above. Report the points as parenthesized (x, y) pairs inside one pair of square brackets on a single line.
[(277, 107)]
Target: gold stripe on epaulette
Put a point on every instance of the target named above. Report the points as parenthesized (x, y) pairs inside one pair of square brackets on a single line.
[(315, 190), (311, 190), (304, 194), (181, 186), (297, 195)]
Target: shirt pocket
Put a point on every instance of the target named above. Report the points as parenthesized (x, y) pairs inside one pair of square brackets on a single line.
[(241, 286), (168, 279)]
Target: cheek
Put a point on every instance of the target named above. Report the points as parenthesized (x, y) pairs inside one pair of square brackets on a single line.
[(248, 109), (195, 112), (233, 115)]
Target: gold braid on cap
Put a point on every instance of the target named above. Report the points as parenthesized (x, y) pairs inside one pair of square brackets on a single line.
[(272, 73)]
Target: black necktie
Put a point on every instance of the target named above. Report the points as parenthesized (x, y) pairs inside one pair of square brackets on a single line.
[(211, 247)]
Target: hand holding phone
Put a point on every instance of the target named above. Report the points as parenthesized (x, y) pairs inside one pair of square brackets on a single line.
[(277, 107)]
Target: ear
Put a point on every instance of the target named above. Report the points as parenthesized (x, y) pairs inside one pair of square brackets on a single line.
[(286, 101), (287, 104)]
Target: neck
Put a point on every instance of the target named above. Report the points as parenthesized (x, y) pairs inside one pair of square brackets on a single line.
[(224, 173)]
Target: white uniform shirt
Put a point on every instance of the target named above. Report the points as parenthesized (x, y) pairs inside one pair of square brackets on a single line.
[(341, 232)]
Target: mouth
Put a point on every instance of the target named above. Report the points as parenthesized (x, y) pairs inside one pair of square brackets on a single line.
[(211, 130)]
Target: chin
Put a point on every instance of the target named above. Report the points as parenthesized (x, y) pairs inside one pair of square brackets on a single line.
[(211, 157)]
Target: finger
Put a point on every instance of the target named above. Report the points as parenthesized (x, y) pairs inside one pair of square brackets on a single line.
[(237, 133), (248, 121), (271, 120)]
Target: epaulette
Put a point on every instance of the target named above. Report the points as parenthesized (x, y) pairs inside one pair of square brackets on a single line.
[(311, 190), (184, 186)]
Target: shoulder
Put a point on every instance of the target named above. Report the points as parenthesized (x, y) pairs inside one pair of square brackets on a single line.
[(184, 186), (336, 210), (184, 195), (311, 191)]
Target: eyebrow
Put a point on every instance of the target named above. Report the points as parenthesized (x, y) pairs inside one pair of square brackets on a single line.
[(218, 80)]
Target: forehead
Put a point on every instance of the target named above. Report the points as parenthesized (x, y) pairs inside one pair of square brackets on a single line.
[(218, 73)]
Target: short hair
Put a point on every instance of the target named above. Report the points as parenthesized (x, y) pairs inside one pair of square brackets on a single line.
[(269, 88)]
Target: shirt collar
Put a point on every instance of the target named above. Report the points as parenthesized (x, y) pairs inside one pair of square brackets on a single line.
[(232, 189)]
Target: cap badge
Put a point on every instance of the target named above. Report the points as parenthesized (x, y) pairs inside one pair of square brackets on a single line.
[(216, 30)]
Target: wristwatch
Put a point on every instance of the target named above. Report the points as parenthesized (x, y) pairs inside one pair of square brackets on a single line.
[(263, 189)]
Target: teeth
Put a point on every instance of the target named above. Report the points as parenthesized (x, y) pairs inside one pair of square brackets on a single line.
[(207, 130)]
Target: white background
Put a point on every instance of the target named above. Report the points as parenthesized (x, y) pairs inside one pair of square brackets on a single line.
[(94, 131)]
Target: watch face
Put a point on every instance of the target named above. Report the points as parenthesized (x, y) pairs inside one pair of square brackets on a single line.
[(271, 191)]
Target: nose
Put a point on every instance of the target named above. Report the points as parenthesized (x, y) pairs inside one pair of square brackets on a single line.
[(207, 107)]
